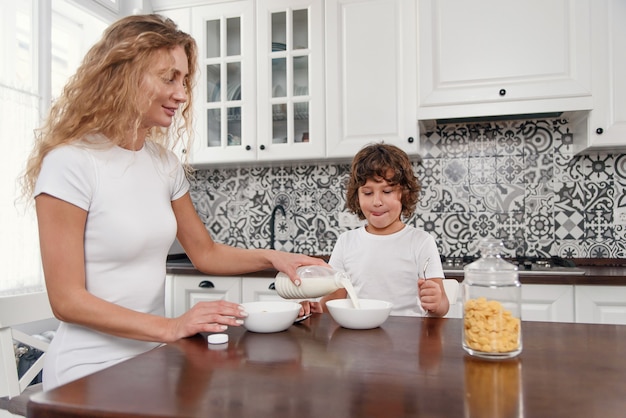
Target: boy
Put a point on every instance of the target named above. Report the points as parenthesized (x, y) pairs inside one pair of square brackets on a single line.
[(387, 259)]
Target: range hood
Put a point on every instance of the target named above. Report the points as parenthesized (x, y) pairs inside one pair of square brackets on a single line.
[(499, 118)]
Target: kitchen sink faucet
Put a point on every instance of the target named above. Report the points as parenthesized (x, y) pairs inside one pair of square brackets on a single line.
[(273, 224)]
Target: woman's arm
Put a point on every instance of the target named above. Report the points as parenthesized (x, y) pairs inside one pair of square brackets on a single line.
[(214, 258), (61, 235)]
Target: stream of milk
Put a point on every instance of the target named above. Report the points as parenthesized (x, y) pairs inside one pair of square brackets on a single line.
[(347, 284)]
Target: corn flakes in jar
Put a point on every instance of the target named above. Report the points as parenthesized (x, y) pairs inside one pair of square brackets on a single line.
[(491, 305)]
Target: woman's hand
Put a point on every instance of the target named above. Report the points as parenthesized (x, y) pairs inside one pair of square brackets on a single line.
[(289, 262), (214, 316)]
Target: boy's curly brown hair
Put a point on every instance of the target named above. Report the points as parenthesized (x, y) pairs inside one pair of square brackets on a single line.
[(377, 161)]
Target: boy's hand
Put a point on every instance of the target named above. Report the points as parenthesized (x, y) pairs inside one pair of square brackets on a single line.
[(309, 306), (429, 293)]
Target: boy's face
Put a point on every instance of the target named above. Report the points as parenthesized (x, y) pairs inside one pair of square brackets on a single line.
[(381, 204)]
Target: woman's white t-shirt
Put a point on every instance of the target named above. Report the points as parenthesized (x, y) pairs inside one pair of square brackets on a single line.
[(387, 267), (129, 230)]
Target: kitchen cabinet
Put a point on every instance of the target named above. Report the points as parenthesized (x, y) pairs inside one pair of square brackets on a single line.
[(304, 79), (290, 56), (595, 304), (260, 93), (601, 304), (503, 57), (187, 290), (553, 303), (258, 289), (605, 127), (371, 57), (226, 90)]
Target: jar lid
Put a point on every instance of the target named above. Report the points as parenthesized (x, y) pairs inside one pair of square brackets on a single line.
[(218, 339), (491, 268)]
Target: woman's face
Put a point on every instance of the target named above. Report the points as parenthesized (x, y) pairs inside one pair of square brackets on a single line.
[(167, 81), (381, 203)]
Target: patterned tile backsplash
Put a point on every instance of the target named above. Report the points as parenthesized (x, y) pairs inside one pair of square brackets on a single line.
[(516, 181)]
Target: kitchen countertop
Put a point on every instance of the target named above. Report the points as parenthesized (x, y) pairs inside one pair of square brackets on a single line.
[(607, 272), (408, 367)]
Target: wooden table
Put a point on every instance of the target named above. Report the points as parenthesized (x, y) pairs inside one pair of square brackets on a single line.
[(408, 367)]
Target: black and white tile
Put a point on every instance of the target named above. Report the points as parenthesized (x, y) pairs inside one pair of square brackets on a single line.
[(515, 180)]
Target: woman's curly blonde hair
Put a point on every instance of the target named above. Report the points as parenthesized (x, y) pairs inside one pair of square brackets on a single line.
[(383, 161), (105, 95)]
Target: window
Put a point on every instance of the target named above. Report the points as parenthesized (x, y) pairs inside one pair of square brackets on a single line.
[(110, 4), (72, 31)]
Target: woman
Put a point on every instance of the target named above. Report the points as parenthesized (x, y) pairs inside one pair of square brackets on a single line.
[(110, 198)]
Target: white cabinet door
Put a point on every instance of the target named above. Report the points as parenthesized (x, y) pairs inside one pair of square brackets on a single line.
[(258, 289), (260, 94), (503, 57), (187, 290), (290, 54), (370, 75), (553, 303), (601, 304), (605, 128), (226, 90)]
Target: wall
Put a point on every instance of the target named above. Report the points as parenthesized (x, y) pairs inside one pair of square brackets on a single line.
[(514, 180)]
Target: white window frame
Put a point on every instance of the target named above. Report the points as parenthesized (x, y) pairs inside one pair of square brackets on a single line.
[(41, 87)]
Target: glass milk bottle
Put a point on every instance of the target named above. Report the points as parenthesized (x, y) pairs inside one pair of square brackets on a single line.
[(315, 281), (491, 305)]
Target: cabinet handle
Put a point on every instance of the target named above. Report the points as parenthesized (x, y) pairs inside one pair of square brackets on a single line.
[(272, 286), (206, 284), (599, 131), (502, 92), (262, 147), (248, 147), (410, 140)]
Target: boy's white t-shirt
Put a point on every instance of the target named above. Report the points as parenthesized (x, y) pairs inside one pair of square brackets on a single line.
[(129, 230), (387, 267)]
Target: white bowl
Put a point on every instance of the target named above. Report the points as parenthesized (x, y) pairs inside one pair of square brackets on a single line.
[(270, 316), (371, 314)]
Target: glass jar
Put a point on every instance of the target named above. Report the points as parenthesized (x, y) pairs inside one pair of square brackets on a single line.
[(491, 305)]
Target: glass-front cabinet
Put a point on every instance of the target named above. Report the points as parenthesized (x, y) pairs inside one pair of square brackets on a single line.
[(226, 93), (260, 94), (290, 51)]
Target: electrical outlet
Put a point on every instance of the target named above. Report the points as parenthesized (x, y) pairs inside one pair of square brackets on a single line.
[(349, 220), (619, 216)]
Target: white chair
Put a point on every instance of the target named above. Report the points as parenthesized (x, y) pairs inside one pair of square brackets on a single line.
[(451, 287), (15, 311)]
